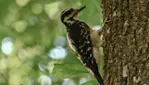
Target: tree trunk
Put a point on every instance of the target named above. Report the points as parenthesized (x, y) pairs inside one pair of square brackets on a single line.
[(126, 42)]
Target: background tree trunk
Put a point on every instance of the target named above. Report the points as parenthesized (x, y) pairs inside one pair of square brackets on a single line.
[(126, 42)]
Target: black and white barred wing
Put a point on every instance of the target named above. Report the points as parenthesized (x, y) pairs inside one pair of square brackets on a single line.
[(79, 40)]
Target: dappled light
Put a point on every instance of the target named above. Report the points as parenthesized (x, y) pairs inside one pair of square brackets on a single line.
[(34, 48), (84, 79), (58, 53), (22, 3), (68, 82), (7, 45), (45, 80), (97, 27), (20, 26), (52, 9), (37, 8)]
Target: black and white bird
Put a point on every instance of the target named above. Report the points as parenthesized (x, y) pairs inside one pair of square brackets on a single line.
[(82, 40)]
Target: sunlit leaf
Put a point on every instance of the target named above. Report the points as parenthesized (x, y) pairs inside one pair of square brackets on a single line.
[(92, 82), (69, 70)]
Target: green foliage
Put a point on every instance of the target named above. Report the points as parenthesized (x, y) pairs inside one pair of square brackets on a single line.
[(92, 82), (68, 71), (32, 27)]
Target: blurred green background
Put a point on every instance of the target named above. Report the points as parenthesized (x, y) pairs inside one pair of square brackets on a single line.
[(33, 46)]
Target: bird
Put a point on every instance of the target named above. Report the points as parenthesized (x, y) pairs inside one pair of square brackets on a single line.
[(81, 40)]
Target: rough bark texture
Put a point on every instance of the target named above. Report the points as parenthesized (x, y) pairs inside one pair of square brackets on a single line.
[(126, 42)]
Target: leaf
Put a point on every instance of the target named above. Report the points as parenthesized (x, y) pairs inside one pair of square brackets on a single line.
[(68, 70), (91, 82)]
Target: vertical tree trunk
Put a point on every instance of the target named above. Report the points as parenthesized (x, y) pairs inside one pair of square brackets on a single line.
[(126, 42)]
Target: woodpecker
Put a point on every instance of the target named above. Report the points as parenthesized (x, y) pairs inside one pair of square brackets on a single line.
[(79, 37)]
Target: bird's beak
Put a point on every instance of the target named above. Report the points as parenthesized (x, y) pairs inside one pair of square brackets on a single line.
[(79, 10)]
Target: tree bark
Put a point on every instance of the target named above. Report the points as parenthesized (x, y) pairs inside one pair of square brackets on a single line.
[(126, 42)]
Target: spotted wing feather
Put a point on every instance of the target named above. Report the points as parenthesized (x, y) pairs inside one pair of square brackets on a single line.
[(80, 42)]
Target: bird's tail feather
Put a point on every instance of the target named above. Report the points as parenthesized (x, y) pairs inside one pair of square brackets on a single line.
[(99, 78)]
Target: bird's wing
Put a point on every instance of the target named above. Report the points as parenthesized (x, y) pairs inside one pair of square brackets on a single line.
[(79, 39), (72, 47), (96, 43)]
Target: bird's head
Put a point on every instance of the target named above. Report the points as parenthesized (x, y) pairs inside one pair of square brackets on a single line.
[(68, 15)]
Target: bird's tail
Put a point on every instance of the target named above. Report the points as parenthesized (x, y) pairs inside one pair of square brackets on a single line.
[(99, 78)]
